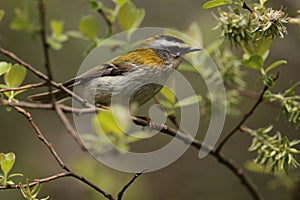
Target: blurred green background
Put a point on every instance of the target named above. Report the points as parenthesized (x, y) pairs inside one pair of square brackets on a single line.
[(188, 177)]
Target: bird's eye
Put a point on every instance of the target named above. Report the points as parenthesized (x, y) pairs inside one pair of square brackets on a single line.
[(177, 55)]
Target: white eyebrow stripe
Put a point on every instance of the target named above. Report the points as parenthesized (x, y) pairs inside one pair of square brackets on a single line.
[(167, 43)]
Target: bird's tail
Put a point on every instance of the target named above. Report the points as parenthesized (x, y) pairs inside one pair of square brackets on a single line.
[(46, 97)]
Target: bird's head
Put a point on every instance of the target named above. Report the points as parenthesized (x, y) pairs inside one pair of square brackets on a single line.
[(169, 43)]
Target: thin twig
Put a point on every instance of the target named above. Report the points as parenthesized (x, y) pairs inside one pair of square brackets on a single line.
[(37, 181), (44, 77), (87, 182), (25, 87), (110, 25), (24, 104), (71, 130), (252, 94), (240, 174), (41, 137), (244, 119), (21, 62), (49, 106), (172, 118), (43, 34), (131, 181), (58, 108)]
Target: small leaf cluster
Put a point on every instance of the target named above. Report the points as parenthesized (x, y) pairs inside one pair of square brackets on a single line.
[(24, 19), (124, 12), (269, 23), (257, 62), (14, 76), (289, 102), (230, 67), (245, 25), (275, 153), (57, 36), (7, 162), (234, 26), (31, 193)]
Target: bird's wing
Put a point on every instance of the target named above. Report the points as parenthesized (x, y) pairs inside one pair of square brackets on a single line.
[(98, 71), (120, 65)]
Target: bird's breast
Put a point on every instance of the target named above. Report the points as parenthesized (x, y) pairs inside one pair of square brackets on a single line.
[(136, 86)]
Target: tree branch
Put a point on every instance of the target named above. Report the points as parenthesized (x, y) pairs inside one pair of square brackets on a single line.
[(28, 116), (58, 176), (131, 181), (245, 118), (235, 169), (229, 164), (71, 130)]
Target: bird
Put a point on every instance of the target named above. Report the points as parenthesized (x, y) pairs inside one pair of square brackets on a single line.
[(135, 76)]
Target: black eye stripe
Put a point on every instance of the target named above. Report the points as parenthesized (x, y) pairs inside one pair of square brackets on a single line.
[(172, 39)]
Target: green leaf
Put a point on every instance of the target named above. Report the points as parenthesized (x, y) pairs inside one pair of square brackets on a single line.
[(14, 175), (262, 47), (76, 35), (254, 167), (215, 3), (4, 67), (55, 41), (96, 5), (20, 21), (57, 27), (1, 14), (275, 64), (168, 95), (2, 158), (121, 2), (89, 27), (116, 123), (266, 129), (291, 90), (7, 162), (268, 81), (255, 62), (15, 76), (129, 17), (262, 2), (188, 101)]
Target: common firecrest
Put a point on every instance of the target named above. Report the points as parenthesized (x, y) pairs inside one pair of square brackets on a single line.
[(137, 75)]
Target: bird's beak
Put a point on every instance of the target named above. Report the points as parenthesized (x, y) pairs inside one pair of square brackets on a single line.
[(189, 49), (192, 49)]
